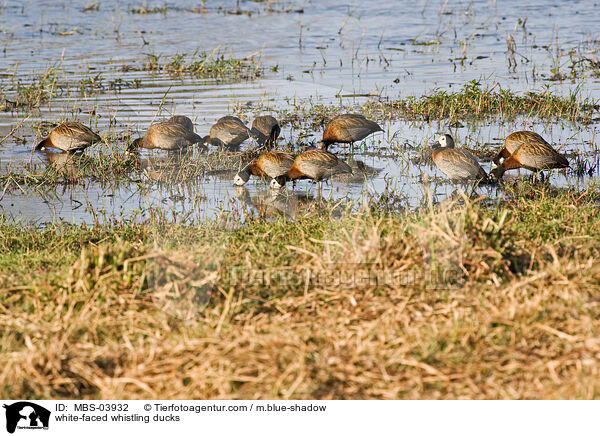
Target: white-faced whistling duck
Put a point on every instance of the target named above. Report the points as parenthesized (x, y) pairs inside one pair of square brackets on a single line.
[(527, 150), (228, 133), (347, 129), (315, 164), (514, 141), (456, 163), (265, 129), (270, 164), (166, 136), (70, 136)]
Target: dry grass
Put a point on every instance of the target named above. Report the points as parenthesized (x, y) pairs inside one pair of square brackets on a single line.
[(157, 311)]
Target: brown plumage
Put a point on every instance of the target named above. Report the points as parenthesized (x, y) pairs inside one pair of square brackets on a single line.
[(317, 165), (183, 121), (269, 164), (456, 163), (167, 136), (534, 154), (266, 130), (347, 129), (228, 132), (514, 141), (70, 136)]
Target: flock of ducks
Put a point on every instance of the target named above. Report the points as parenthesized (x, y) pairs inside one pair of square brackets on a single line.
[(523, 149)]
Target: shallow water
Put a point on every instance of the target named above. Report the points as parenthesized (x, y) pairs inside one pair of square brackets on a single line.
[(327, 53)]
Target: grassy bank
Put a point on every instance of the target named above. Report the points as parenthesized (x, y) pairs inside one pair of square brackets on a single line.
[(460, 300)]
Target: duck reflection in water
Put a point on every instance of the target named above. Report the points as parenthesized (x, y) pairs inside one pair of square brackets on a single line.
[(273, 204)]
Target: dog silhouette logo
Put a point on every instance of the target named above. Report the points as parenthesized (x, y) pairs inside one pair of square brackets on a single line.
[(26, 415)]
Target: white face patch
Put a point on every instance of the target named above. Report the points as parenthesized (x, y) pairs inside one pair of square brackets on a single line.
[(238, 181), (442, 140), (500, 162), (274, 184)]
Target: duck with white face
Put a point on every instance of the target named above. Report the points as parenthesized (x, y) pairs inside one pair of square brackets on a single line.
[(315, 164), (278, 182), (456, 163), (525, 149), (243, 175), (270, 164)]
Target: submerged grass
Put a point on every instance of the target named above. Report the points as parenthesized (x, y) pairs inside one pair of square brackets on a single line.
[(30, 93), (457, 301), (215, 64)]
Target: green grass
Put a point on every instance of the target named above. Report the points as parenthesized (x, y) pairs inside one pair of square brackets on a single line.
[(355, 307), (30, 92), (477, 102), (215, 64)]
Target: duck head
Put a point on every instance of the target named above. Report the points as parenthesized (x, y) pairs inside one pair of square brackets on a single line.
[(278, 182), (242, 176), (444, 141)]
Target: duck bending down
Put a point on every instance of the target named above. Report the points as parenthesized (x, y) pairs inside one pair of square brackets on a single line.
[(270, 164), (265, 129), (70, 136), (316, 164), (527, 150), (228, 133), (166, 136), (347, 129)]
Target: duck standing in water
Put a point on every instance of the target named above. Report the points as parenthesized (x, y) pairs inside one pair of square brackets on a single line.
[(266, 130), (458, 164), (315, 164), (347, 129), (270, 164), (70, 136), (228, 133), (527, 150), (166, 135)]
